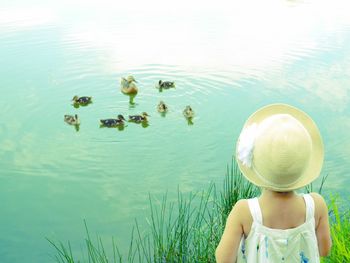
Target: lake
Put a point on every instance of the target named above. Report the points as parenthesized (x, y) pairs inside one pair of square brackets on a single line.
[(227, 60)]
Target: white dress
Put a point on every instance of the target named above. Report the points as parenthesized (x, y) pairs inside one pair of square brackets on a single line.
[(265, 244)]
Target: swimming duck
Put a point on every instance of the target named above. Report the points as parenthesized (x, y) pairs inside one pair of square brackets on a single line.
[(188, 112), (128, 85), (166, 84), (139, 118), (72, 120), (82, 100), (113, 122), (162, 108)]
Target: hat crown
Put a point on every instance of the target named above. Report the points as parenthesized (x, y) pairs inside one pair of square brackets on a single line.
[(282, 150)]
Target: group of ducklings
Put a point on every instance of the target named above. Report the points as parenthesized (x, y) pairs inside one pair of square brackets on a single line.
[(128, 86), (77, 101)]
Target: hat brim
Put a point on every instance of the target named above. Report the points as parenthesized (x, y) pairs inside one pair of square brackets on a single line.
[(312, 171)]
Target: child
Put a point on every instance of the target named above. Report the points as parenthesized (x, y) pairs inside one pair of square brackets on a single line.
[(280, 150)]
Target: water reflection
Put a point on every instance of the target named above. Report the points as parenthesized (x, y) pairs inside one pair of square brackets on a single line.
[(119, 127), (77, 127), (131, 100), (189, 121), (78, 105), (144, 124), (162, 114)]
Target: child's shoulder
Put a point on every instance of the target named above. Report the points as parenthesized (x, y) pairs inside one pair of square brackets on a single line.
[(240, 211), (241, 205), (318, 199), (321, 208)]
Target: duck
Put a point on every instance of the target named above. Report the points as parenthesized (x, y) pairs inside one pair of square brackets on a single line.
[(72, 119), (162, 107), (113, 122), (188, 112), (82, 100), (166, 84), (139, 118), (128, 85)]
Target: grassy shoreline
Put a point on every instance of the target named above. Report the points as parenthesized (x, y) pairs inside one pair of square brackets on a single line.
[(189, 229)]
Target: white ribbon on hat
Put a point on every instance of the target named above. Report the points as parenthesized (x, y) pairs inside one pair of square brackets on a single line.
[(245, 145)]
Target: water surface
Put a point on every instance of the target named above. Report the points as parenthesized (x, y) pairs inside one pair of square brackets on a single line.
[(227, 61)]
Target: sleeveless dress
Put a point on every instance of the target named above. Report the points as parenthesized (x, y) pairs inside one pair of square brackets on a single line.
[(293, 245)]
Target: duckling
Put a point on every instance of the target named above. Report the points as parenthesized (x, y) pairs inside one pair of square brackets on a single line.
[(82, 100), (139, 118), (166, 84), (128, 85), (113, 122), (188, 112), (162, 108), (72, 120)]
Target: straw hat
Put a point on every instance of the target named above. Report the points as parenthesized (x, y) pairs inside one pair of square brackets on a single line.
[(280, 148)]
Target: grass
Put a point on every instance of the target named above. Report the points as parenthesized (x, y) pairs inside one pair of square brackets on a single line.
[(95, 252), (189, 229), (340, 231)]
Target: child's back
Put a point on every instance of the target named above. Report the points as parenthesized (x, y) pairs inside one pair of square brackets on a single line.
[(280, 150), (282, 210), (279, 227)]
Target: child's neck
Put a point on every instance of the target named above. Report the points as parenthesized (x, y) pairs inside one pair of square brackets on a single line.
[(266, 193)]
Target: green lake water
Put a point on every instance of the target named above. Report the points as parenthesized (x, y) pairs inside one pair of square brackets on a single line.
[(227, 59)]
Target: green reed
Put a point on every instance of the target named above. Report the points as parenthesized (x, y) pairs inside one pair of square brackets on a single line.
[(190, 228), (340, 229), (96, 252), (235, 187)]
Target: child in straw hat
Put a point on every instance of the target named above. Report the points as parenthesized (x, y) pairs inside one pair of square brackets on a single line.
[(280, 150)]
